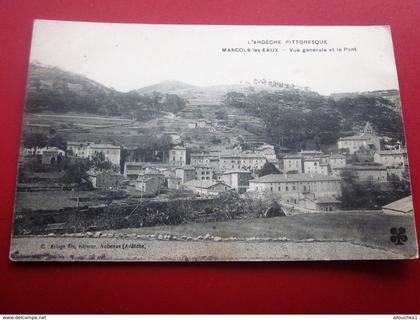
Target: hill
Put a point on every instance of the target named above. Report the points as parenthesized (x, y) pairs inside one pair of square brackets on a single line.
[(54, 90), (206, 95), (306, 120), (386, 98), (291, 117), (50, 89), (169, 86)]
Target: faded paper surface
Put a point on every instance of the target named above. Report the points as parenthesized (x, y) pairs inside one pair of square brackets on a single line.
[(215, 143)]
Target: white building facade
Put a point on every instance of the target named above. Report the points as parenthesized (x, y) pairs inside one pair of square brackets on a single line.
[(178, 156), (298, 185), (392, 158)]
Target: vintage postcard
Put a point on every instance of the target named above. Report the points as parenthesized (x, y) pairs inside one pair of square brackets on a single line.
[(212, 143)]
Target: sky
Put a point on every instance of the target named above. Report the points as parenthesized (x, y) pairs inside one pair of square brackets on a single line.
[(130, 56)]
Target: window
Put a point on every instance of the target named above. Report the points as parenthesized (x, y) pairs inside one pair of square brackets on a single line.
[(294, 187), (287, 188)]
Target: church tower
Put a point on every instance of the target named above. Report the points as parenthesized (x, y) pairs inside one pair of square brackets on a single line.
[(368, 129)]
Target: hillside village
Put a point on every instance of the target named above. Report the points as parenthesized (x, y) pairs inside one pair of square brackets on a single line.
[(309, 180), (204, 152)]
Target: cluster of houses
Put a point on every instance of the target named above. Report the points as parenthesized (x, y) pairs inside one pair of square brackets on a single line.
[(111, 152), (86, 150), (309, 179), (49, 155), (312, 180)]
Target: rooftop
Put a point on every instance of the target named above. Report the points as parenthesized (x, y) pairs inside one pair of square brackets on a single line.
[(292, 156), (389, 152), (140, 164), (104, 146), (236, 171), (404, 205), (367, 168), (179, 148), (265, 146), (203, 184), (200, 155), (78, 143), (186, 168), (38, 125), (174, 177), (301, 177), (337, 156), (150, 164), (50, 149), (353, 138), (317, 152), (252, 155), (311, 159), (230, 155)]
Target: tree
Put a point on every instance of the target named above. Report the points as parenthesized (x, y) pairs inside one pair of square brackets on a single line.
[(198, 113), (368, 195), (267, 169), (215, 140), (35, 140), (100, 162), (75, 173), (221, 115), (350, 198), (37, 84), (58, 141), (400, 185), (173, 103), (156, 101)]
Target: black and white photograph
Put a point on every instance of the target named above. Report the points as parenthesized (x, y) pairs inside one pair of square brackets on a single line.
[(145, 142)]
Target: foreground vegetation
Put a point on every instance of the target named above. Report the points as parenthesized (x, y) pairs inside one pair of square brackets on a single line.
[(306, 120), (360, 227)]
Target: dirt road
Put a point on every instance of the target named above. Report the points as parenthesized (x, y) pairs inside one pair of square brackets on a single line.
[(134, 249)]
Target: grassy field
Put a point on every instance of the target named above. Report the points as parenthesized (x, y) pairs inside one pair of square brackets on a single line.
[(84, 120), (54, 200), (363, 228), (134, 249), (120, 130), (332, 236)]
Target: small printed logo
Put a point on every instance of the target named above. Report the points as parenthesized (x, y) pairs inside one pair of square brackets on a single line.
[(398, 236)]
